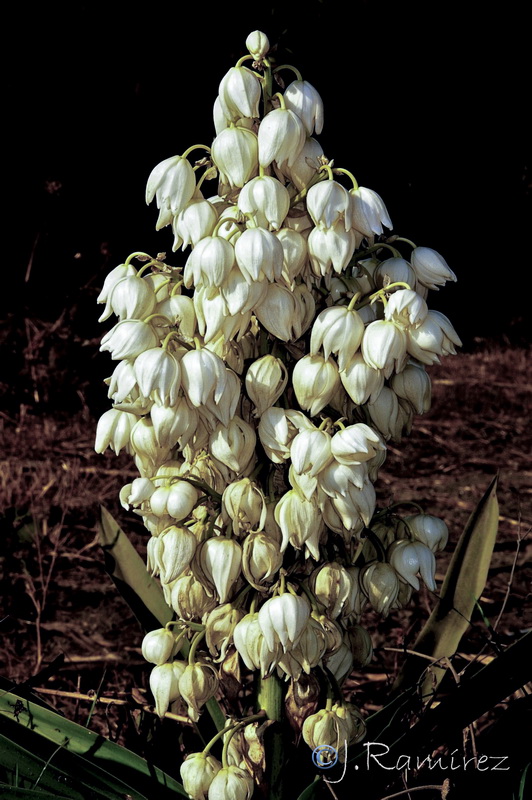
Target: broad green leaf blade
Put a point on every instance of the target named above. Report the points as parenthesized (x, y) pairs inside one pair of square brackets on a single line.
[(464, 582), (140, 590), (126, 767), (310, 792), (17, 793), (27, 766)]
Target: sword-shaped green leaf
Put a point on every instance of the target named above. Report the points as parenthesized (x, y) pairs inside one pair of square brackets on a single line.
[(139, 589), (63, 757), (464, 582)]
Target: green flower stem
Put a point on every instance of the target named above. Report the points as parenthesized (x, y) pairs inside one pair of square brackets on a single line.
[(154, 316), (342, 171), (296, 72), (378, 246), (137, 253), (270, 700), (189, 150), (281, 100), (232, 732), (326, 168), (267, 86), (194, 646), (240, 61), (408, 241), (376, 542), (223, 222), (353, 301), (168, 338)]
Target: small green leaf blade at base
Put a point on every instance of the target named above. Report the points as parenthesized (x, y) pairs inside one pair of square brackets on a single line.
[(463, 585)]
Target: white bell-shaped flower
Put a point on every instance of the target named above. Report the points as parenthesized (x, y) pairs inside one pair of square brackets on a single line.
[(209, 263), (164, 685), (300, 522), (413, 385), (173, 424), (277, 428), (177, 548), (195, 222), (368, 211), (431, 268), (267, 200), (355, 444), (410, 559), (239, 93), (392, 270), (315, 381), (384, 346), (259, 255), (266, 380), (295, 254), (281, 137), (244, 503), (203, 376), (361, 382), (128, 339), (327, 203), (172, 183), (233, 445), (280, 313), (386, 414), (252, 646), (197, 773), (338, 330), (432, 531), (241, 295), (221, 561), (406, 309), (132, 298), (331, 247), (434, 337), (116, 274), (283, 619), (158, 375), (311, 451), (235, 153), (114, 430), (180, 310), (303, 99)]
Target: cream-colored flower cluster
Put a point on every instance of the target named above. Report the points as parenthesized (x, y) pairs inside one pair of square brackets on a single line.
[(256, 387)]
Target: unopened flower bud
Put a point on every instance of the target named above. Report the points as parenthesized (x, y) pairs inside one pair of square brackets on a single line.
[(158, 646), (197, 773), (232, 783), (380, 583), (326, 728), (219, 625), (197, 684), (331, 583), (266, 380), (257, 44)]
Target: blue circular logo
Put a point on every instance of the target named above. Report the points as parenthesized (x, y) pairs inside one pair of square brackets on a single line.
[(325, 756)]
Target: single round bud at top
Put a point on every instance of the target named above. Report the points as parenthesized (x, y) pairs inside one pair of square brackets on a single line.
[(257, 44)]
